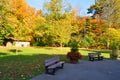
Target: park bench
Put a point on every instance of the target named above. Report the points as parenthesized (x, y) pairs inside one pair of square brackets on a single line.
[(95, 56), (53, 64)]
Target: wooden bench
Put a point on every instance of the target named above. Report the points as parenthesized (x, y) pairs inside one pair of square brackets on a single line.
[(95, 56), (53, 64)]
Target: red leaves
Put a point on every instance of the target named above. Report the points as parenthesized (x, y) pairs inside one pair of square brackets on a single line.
[(74, 56)]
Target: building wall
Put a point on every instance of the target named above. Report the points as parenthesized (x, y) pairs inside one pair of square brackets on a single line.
[(22, 44), (9, 44)]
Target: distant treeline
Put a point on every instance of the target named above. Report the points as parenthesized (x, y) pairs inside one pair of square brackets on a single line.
[(59, 24)]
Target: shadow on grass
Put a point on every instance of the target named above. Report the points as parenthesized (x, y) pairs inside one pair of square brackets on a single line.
[(2, 53), (48, 48), (23, 67), (14, 50)]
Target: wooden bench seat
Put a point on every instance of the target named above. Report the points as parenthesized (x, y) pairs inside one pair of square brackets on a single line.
[(95, 56), (52, 64)]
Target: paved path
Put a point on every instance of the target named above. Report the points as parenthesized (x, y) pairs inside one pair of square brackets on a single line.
[(86, 70)]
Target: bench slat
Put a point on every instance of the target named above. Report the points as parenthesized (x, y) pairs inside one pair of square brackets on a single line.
[(55, 65), (51, 61)]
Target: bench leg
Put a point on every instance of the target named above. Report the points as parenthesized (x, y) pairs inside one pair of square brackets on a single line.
[(101, 58), (91, 59), (46, 70), (61, 67), (53, 72), (50, 71)]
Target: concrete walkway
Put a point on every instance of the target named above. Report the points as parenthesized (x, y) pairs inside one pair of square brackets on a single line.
[(86, 70)]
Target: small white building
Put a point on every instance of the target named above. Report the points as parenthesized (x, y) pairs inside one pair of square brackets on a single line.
[(22, 44)]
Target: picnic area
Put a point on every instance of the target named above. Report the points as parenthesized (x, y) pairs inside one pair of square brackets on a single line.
[(86, 70), (59, 39)]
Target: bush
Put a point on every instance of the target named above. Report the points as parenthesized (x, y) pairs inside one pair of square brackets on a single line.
[(74, 55), (74, 46)]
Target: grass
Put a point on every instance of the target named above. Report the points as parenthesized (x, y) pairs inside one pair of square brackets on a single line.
[(30, 61)]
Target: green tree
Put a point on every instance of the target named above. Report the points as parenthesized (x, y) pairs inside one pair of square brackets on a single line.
[(62, 31), (114, 39), (25, 19), (54, 9), (88, 41), (6, 21), (108, 11), (58, 20)]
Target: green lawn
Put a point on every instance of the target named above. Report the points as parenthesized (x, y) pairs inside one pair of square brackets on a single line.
[(30, 61)]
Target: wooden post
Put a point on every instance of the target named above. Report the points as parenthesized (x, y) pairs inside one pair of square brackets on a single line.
[(17, 49)]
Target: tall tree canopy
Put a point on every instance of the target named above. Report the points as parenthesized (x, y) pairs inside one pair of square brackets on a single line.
[(108, 10), (55, 25)]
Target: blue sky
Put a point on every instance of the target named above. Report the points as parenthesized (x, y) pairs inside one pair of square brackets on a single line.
[(82, 5)]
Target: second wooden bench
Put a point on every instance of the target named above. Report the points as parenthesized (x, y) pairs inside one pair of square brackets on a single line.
[(93, 56)]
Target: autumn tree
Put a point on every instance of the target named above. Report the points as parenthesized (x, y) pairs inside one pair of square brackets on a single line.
[(110, 13), (6, 19), (55, 9), (107, 12), (25, 19), (58, 18), (17, 19)]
